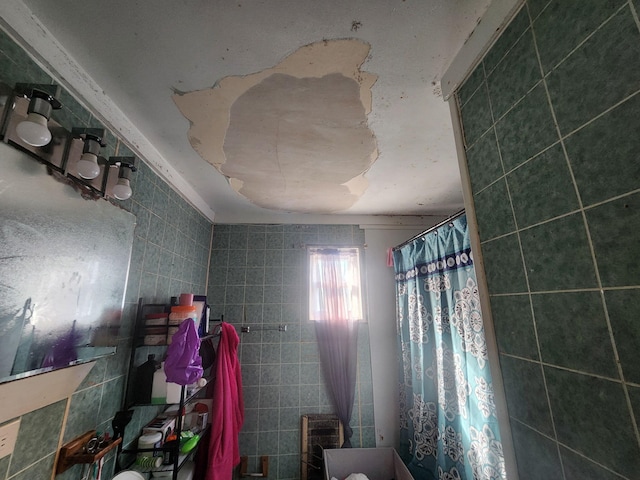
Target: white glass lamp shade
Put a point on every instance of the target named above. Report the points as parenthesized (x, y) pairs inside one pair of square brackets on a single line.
[(88, 166), (122, 189), (34, 130)]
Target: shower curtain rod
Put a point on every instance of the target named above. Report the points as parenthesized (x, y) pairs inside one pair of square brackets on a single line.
[(430, 229)]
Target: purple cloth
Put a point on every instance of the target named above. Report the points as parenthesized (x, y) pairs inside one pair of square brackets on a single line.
[(183, 364)]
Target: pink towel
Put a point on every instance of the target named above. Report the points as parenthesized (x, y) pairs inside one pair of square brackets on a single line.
[(228, 408), (389, 257)]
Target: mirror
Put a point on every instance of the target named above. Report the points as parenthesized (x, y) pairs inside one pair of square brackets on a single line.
[(63, 270)]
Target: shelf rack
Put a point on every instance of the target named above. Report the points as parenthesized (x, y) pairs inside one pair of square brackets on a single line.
[(73, 452)]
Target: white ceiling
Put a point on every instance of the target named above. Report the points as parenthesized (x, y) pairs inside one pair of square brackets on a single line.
[(139, 53)]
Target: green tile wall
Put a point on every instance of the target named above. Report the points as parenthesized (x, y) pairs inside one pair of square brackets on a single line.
[(169, 256), (552, 134), (257, 278)]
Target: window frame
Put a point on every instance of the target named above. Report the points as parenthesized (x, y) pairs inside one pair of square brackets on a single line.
[(310, 248)]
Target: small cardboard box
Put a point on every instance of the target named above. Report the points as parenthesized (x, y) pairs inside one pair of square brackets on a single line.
[(165, 426), (376, 463)]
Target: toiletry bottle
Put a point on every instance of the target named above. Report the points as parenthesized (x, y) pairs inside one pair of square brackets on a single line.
[(159, 386), (144, 380)]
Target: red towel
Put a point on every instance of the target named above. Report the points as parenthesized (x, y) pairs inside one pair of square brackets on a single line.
[(227, 413)]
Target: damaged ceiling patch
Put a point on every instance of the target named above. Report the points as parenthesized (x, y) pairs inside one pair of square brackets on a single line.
[(293, 137)]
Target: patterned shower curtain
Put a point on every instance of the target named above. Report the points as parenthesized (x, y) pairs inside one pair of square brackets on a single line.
[(448, 424)]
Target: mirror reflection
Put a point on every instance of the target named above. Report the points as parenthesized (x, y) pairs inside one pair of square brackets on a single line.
[(63, 270)]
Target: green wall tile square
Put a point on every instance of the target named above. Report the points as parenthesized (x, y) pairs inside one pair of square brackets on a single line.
[(576, 467), (493, 211), (527, 129), (82, 412), (566, 23), (573, 332), (43, 424), (603, 71), (526, 398), (604, 154), (536, 7), (536, 455), (513, 323), (503, 265), (634, 395), (512, 32), (578, 403), (483, 161), (624, 311), (4, 465), (254, 294), (40, 470), (476, 116), (470, 85), (21, 70), (72, 105), (514, 76), (26, 70), (68, 119), (614, 228), (542, 188), (111, 400), (557, 255)]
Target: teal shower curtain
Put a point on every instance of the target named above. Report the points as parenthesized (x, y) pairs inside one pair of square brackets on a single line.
[(448, 424)]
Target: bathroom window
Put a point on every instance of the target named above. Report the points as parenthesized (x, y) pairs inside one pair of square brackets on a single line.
[(335, 287)]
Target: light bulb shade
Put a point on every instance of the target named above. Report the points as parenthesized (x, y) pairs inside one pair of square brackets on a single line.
[(88, 167), (122, 189), (34, 130)]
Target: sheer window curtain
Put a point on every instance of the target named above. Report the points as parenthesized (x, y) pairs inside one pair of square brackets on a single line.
[(335, 306)]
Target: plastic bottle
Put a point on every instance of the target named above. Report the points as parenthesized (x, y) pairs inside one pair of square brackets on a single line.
[(179, 314), (171, 445), (174, 391), (159, 387), (144, 380)]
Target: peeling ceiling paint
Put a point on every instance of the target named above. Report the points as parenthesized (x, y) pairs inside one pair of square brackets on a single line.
[(293, 137), (129, 66)]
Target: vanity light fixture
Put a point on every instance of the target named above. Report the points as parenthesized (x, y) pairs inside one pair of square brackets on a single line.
[(120, 188), (26, 122), (87, 166), (34, 130)]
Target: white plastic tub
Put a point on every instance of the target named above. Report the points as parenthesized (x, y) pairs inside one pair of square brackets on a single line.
[(376, 463)]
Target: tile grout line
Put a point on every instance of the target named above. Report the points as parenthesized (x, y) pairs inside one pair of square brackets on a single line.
[(585, 40), (572, 212), (564, 137), (488, 48), (514, 105), (501, 59), (569, 448), (526, 276), (616, 356), (544, 375), (546, 5), (634, 13), (461, 105), (601, 114), (577, 290), (545, 75), (568, 369)]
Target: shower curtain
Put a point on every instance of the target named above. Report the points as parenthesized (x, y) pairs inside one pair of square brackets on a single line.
[(448, 424)]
